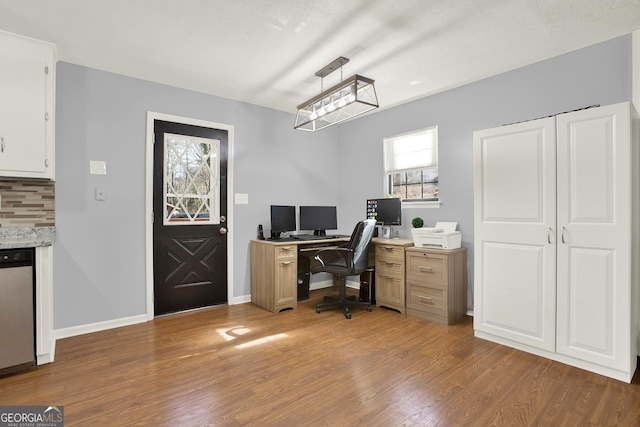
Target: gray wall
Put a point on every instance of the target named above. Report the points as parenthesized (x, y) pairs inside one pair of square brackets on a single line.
[(600, 74), (99, 253), (99, 259)]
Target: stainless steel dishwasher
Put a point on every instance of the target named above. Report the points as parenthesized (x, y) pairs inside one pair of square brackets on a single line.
[(17, 331)]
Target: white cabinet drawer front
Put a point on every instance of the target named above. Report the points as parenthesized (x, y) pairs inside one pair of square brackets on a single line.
[(427, 299)]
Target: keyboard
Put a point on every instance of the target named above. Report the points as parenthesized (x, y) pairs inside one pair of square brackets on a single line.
[(312, 237)]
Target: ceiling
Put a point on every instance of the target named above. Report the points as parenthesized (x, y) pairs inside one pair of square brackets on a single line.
[(267, 52)]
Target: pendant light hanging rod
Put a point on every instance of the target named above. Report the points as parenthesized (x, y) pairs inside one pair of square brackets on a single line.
[(331, 67)]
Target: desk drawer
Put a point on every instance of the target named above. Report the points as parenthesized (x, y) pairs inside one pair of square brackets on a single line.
[(390, 268), (427, 268), (285, 252), (389, 253), (426, 299)]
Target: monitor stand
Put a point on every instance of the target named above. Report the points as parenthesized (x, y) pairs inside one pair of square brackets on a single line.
[(319, 232)]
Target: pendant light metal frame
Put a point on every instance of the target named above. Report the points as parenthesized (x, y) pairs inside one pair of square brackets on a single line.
[(343, 101)]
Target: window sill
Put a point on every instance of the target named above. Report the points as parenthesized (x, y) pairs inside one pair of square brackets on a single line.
[(417, 204)]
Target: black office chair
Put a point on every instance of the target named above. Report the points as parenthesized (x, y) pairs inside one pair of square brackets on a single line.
[(350, 259)]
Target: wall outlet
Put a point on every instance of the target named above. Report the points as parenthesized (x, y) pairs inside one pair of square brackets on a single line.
[(101, 194), (242, 199)]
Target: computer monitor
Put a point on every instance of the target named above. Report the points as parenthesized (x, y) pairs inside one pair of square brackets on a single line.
[(283, 218), (319, 219), (385, 211)]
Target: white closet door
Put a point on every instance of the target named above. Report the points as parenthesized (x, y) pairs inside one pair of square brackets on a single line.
[(515, 238), (594, 242)]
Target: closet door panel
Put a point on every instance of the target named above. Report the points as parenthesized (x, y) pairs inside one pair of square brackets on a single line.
[(514, 179), (594, 205), (514, 303)]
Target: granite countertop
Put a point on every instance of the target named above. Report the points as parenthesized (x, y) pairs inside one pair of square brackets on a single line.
[(26, 237)]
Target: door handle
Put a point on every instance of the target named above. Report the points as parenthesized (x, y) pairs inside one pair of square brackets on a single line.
[(562, 234), (223, 230), (549, 236)]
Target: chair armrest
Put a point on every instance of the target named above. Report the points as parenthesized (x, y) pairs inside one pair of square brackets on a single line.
[(337, 252)]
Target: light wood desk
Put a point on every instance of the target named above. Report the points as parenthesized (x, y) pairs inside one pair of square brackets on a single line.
[(274, 269)]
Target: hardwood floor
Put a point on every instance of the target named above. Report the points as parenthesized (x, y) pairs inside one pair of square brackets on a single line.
[(242, 365)]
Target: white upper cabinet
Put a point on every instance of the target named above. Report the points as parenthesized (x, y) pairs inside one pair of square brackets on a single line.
[(27, 102)]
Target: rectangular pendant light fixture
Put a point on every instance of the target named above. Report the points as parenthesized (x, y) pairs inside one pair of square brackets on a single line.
[(345, 100)]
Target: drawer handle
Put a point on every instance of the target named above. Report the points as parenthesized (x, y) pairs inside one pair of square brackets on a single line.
[(286, 263), (388, 248), (388, 263), (421, 267), (427, 298), (286, 248), (388, 277)]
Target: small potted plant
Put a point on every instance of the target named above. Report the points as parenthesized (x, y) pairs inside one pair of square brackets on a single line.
[(416, 231)]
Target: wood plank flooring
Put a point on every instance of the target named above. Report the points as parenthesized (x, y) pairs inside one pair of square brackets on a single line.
[(242, 365)]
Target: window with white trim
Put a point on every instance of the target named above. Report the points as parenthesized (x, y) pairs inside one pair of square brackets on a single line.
[(411, 165)]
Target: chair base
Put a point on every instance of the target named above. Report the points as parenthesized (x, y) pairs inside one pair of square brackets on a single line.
[(342, 301)]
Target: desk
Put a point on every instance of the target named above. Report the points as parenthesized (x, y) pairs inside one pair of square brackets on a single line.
[(274, 271)]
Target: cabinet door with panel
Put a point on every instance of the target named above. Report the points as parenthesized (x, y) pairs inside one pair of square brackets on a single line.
[(27, 78), (286, 276), (274, 275), (595, 194), (515, 252)]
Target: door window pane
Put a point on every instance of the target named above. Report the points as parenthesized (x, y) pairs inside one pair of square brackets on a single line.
[(191, 180)]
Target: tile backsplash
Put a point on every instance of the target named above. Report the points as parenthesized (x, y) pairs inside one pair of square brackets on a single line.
[(27, 203)]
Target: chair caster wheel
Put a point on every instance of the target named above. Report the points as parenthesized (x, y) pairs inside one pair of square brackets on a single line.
[(348, 316), (369, 309), (318, 310)]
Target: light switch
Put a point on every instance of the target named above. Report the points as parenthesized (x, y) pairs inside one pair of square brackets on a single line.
[(101, 194), (97, 167), (242, 199)]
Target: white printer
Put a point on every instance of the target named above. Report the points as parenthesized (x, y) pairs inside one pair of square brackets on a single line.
[(442, 236)]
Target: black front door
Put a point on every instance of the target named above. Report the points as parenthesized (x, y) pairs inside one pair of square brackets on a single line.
[(189, 217)]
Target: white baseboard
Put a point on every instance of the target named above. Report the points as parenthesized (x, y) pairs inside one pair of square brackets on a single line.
[(99, 326), (126, 321), (240, 300), (42, 359)]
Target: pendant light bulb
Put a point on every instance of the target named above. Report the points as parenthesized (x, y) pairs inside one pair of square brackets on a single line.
[(352, 94), (322, 111), (331, 106)]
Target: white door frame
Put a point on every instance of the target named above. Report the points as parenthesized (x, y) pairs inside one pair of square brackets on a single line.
[(151, 118)]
